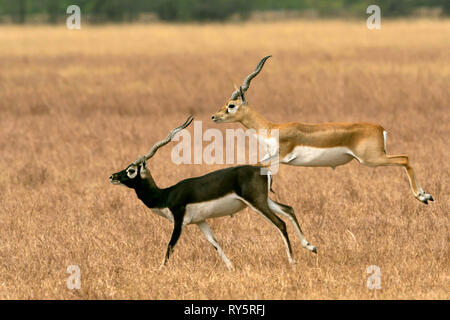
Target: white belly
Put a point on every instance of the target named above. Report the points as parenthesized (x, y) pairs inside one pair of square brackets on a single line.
[(227, 205), (318, 157)]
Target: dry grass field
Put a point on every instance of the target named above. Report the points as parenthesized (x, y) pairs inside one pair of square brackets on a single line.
[(76, 106)]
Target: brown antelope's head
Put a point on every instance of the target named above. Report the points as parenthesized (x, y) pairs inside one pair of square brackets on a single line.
[(234, 109)]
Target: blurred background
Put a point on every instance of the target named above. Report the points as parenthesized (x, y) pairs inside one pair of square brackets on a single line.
[(101, 11)]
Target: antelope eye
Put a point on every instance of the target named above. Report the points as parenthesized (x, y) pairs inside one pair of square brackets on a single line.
[(231, 106), (131, 171)]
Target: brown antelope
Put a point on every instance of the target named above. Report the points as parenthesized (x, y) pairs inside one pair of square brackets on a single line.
[(316, 145)]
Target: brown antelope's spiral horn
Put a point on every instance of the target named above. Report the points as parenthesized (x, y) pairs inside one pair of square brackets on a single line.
[(246, 83)]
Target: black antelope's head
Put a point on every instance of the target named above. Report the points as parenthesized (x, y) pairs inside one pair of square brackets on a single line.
[(131, 176), (234, 109)]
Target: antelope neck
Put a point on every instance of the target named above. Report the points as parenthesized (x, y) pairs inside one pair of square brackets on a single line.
[(252, 120)]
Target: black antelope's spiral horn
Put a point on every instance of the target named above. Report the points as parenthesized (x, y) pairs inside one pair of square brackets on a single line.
[(163, 142)]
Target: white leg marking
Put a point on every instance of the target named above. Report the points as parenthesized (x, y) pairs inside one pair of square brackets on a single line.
[(210, 237), (275, 207), (423, 196), (163, 264), (269, 181)]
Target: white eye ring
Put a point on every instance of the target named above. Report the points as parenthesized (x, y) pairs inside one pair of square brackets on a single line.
[(132, 172), (233, 110)]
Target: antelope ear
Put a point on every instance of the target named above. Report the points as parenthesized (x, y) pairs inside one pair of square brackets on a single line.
[(241, 93), (143, 172)]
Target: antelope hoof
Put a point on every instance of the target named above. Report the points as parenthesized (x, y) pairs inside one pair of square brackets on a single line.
[(163, 265), (311, 248), (424, 197)]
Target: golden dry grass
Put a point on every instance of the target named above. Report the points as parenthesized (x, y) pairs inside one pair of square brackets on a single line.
[(76, 106)]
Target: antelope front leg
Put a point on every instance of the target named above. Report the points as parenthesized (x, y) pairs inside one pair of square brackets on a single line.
[(173, 241)]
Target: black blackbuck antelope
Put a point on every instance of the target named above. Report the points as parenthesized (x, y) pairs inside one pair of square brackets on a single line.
[(219, 193), (316, 144)]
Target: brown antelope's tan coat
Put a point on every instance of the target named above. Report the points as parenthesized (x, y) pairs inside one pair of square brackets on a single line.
[(322, 144)]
